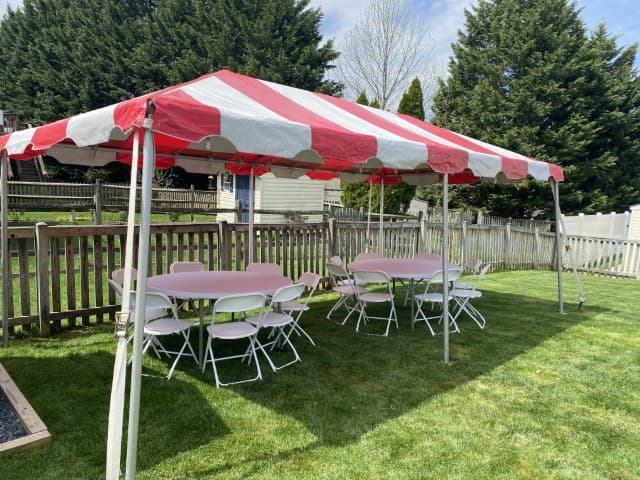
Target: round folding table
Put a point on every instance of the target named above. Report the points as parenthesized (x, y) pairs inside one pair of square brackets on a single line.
[(211, 285), (411, 269)]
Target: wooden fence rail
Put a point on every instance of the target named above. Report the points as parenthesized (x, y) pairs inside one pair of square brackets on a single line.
[(59, 274)]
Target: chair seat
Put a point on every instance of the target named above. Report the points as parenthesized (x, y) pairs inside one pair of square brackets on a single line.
[(462, 293), (294, 306), (166, 326), (154, 313), (270, 319), (375, 297), (346, 289), (232, 330), (461, 285), (434, 297)]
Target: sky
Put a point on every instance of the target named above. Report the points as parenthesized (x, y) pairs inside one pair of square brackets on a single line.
[(444, 18)]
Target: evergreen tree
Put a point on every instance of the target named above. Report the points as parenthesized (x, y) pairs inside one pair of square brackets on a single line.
[(375, 103), (362, 98), (412, 102), (63, 57), (525, 76)]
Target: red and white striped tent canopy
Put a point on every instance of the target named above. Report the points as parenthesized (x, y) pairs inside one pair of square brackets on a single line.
[(226, 120)]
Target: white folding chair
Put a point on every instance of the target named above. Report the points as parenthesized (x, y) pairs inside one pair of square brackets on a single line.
[(344, 286), (471, 265), (118, 275), (413, 285), (185, 266), (169, 324), (463, 297), (277, 321), (234, 330), (435, 297), (369, 281), (368, 256), (335, 260), (311, 281), (181, 266), (264, 267)]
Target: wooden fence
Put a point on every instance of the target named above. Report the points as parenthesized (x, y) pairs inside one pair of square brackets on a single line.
[(98, 197), (59, 274)]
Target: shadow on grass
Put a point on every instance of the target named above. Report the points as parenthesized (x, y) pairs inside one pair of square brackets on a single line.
[(71, 393), (352, 383)]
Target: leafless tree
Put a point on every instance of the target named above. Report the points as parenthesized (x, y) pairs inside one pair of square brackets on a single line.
[(385, 50)]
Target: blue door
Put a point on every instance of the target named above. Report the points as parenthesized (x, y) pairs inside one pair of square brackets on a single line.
[(242, 195)]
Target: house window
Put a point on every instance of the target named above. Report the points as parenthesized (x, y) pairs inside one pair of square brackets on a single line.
[(226, 182)]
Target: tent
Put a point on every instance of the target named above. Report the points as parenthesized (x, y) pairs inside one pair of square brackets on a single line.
[(226, 120)]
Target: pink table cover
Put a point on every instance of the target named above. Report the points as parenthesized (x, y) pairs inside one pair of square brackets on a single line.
[(215, 284), (408, 268)]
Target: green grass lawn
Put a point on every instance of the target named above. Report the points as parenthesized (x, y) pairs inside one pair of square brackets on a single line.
[(536, 395)]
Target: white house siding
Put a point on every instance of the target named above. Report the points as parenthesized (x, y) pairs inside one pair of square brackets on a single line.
[(225, 200), (634, 224), (300, 195), (273, 193)]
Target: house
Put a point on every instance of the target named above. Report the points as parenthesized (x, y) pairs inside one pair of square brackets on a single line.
[(288, 197)]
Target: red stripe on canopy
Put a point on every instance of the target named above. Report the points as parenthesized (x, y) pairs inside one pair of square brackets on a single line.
[(441, 158), (328, 139), (182, 116), (50, 134)]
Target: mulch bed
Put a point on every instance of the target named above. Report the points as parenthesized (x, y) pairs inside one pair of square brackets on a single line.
[(10, 426)]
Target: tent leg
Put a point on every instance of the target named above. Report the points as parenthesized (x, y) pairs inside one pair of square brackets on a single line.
[(4, 161), (141, 288), (381, 234), (251, 208), (556, 200), (118, 385), (445, 266)]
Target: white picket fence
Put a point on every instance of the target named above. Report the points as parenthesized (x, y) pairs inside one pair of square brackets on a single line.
[(604, 256)]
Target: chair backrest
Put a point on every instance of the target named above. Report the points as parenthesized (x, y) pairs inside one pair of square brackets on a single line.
[(473, 264), (117, 288), (453, 274), (427, 256), (118, 275), (335, 260), (369, 277), (264, 267), (368, 256), (183, 266), (239, 303), (154, 302), (310, 279), (337, 274), (288, 293), (481, 275)]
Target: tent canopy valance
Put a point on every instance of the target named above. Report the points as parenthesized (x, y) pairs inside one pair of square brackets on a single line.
[(227, 120)]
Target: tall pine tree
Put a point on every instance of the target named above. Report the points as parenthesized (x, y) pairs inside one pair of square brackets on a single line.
[(526, 76)]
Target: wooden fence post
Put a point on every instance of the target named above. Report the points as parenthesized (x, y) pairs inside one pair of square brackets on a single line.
[(97, 200), (536, 260), (193, 202), (463, 243), (42, 274), (224, 246), (420, 243), (332, 238)]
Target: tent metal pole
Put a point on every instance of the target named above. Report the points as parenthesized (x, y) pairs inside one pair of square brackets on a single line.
[(118, 385), (251, 209), (381, 234), (148, 160), (368, 245), (445, 266), (556, 200), (4, 165)]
